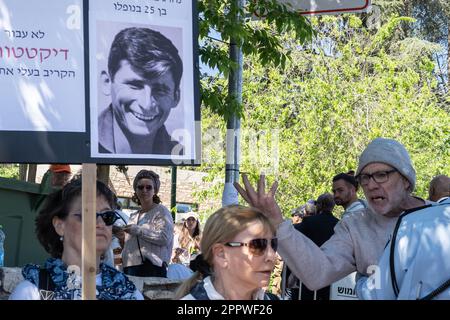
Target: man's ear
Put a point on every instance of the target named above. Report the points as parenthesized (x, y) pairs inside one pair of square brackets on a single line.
[(105, 83), (58, 224), (219, 255), (407, 184), (176, 97), (354, 191)]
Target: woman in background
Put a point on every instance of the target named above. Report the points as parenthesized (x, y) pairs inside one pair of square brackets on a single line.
[(149, 234), (238, 255)]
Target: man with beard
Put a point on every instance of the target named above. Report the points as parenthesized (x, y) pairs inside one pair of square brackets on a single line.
[(345, 188)]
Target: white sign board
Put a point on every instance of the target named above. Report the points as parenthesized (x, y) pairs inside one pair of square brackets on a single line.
[(42, 66), (142, 86), (344, 289), (104, 81), (318, 7)]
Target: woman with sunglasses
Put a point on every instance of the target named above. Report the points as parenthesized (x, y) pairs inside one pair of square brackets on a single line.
[(238, 256), (58, 228), (187, 240), (149, 235)]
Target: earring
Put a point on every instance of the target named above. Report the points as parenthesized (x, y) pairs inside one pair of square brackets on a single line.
[(61, 238)]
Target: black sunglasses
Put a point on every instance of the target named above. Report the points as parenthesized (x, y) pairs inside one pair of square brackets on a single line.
[(256, 247), (109, 217), (148, 187)]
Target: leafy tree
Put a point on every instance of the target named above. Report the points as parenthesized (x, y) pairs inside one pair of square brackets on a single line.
[(312, 120), (432, 23), (9, 171), (260, 38)]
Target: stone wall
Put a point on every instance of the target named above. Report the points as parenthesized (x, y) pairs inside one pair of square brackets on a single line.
[(151, 288)]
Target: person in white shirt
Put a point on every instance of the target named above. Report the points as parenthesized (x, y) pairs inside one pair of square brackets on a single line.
[(238, 256), (415, 265)]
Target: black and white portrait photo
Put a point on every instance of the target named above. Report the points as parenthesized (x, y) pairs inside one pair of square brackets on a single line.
[(144, 88), (142, 80)]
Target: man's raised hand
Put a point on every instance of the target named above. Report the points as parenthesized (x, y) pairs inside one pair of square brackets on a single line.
[(260, 199)]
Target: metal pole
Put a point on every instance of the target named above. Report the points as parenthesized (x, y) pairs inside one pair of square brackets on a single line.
[(173, 191), (230, 195)]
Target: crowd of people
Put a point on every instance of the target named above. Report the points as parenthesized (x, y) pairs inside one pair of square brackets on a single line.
[(396, 242)]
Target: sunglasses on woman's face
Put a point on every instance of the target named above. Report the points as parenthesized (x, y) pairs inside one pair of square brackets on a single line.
[(256, 247), (109, 217), (147, 187)]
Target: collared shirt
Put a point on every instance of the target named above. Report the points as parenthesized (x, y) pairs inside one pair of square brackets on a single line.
[(356, 206), (357, 244), (214, 295), (112, 140)]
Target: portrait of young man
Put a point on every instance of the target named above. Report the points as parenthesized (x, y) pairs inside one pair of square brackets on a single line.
[(142, 81)]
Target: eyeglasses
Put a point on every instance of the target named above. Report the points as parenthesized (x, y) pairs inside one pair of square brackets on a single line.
[(256, 247), (147, 187), (379, 177), (109, 217)]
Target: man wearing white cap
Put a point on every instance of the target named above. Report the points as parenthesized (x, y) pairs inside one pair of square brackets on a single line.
[(387, 177)]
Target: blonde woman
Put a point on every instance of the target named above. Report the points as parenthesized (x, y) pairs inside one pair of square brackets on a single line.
[(238, 256)]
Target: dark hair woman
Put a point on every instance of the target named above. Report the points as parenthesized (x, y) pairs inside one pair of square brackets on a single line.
[(58, 228)]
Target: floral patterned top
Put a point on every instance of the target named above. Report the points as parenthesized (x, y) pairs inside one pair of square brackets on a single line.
[(111, 283)]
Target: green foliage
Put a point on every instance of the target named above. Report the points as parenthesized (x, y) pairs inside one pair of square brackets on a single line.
[(9, 171), (261, 39), (312, 120)]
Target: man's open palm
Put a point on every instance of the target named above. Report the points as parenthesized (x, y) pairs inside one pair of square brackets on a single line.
[(260, 199)]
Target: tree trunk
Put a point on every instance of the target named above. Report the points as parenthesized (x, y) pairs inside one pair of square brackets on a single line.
[(103, 173), (408, 13), (23, 172), (448, 54), (32, 169)]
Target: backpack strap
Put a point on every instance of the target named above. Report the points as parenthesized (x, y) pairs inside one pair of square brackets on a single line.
[(363, 203), (46, 285), (270, 296), (392, 248), (437, 291)]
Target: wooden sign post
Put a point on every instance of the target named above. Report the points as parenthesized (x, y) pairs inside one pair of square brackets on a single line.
[(89, 242)]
